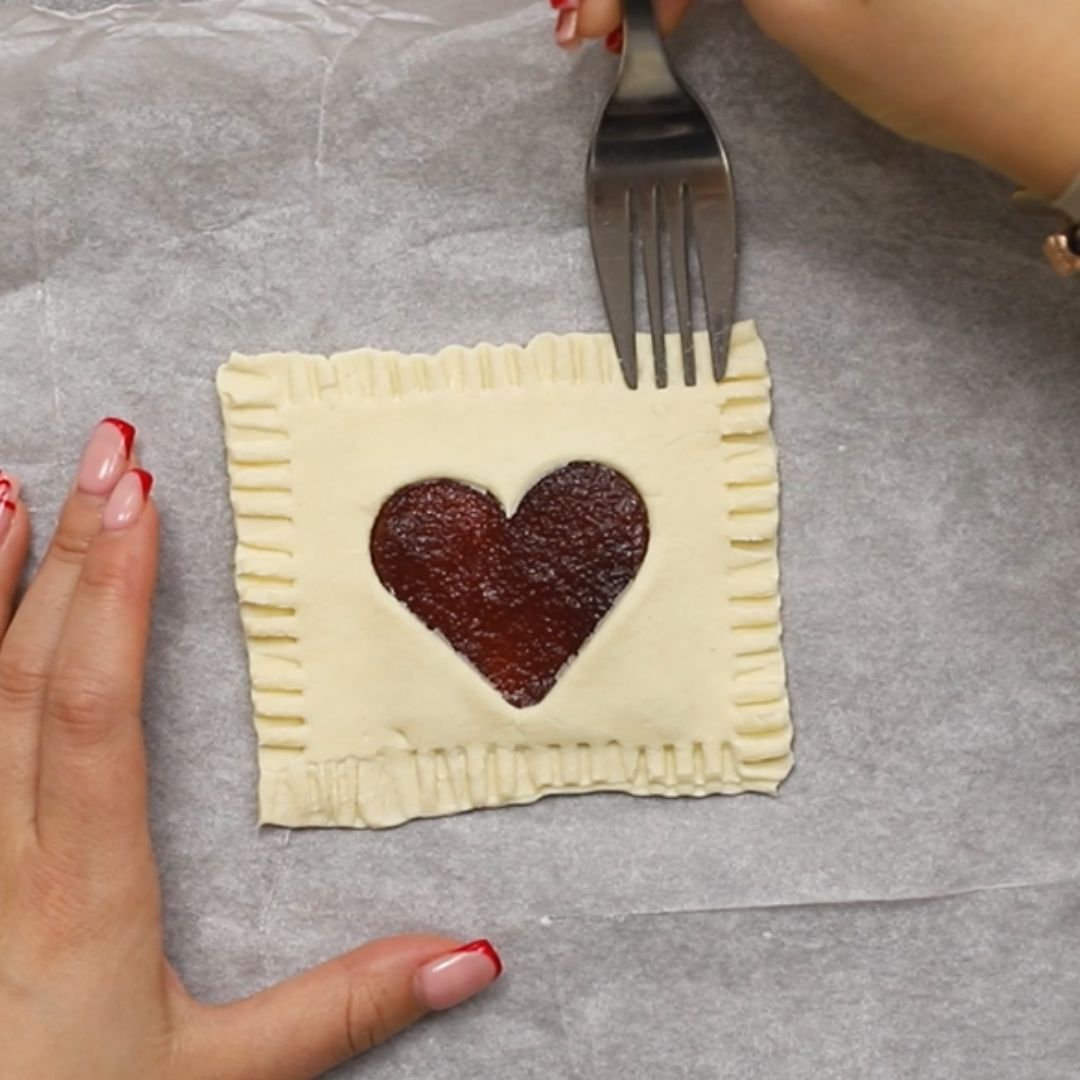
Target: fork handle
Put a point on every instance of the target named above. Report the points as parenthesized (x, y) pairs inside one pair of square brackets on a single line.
[(646, 71)]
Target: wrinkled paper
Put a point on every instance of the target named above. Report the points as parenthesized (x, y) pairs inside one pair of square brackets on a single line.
[(184, 180)]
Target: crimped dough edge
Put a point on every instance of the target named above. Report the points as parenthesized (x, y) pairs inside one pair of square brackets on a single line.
[(395, 785)]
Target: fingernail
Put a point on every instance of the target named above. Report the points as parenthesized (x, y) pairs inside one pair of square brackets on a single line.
[(613, 42), (7, 515), (9, 493), (564, 5), (458, 976), (127, 500), (9, 486), (566, 29), (106, 456)]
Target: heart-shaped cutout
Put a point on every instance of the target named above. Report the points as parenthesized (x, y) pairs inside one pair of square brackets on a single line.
[(516, 596)]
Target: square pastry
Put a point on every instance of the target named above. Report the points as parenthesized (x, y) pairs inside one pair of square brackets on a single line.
[(493, 574)]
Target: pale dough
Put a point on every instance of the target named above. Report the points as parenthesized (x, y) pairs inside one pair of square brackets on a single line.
[(366, 718)]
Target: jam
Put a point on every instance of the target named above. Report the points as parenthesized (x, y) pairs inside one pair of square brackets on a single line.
[(516, 596)]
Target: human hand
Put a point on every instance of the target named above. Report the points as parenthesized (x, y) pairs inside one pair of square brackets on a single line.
[(85, 988), (577, 20), (990, 79)]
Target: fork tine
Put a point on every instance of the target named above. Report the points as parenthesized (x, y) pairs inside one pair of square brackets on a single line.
[(714, 237), (612, 243), (649, 221), (675, 219)]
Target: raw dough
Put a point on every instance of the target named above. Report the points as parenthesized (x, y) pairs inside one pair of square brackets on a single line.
[(366, 718)]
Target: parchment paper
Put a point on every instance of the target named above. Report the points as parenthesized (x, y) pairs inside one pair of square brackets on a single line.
[(184, 180)]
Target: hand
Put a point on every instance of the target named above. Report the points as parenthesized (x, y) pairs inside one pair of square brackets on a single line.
[(85, 989), (578, 19), (990, 79)]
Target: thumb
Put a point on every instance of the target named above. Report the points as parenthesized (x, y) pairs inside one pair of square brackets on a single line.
[(307, 1025)]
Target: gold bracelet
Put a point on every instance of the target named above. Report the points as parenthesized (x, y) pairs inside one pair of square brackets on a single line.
[(1061, 248)]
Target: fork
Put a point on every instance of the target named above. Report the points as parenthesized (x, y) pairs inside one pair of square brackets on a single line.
[(656, 166)]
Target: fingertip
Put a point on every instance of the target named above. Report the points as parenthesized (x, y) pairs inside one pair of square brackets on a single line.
[(672, 13), (10, 486), (598, 18), (9, 511), (146, 481), (603, 18), (14, 521), (145, 530), (455, 977), (105, 457), (128, 501)]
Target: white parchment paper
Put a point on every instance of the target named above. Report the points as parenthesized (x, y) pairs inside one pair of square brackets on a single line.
[(182, 180)]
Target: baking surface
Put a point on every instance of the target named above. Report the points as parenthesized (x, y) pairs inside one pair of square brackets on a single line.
[(184, 180)]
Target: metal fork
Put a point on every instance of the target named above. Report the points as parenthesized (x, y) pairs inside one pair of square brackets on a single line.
[(657, 164)]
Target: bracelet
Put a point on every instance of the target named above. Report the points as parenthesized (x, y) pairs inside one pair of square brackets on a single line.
[(1062, 248)]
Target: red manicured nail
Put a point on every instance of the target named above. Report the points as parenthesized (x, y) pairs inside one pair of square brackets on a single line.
[(485, 948), (614, 41), (127, 501), (7, 516), (564, 5), (105, 457), (459, 975), (9, 486), (127, 431), (146, 479)]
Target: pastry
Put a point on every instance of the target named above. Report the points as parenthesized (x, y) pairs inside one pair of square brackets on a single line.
[(493, 574)]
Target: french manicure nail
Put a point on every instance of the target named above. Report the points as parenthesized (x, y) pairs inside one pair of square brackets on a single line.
[(106, 456), (9, 486), (613, 42), (127, 500), (7, 515), (566, 36), (458, 976)]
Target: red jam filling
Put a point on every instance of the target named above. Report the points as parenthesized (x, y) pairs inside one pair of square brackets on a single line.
[(517, 597)]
